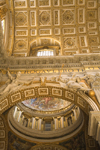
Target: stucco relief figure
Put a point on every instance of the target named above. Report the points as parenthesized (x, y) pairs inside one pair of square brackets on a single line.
[(14, 83), (54, 79), (75, 84), (90, 79), (79, 79), (93, 79), (62, 81), (96, 81), (43, 81)]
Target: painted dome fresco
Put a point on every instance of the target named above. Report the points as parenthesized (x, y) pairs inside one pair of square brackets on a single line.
[(46, 103)]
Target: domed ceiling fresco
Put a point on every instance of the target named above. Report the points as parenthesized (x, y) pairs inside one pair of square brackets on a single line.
[(46, 103)]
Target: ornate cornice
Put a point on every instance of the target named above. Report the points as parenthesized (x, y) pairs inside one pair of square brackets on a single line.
[(77, 63)]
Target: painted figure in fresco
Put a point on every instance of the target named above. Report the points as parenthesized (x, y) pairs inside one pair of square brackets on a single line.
[(46, 103)]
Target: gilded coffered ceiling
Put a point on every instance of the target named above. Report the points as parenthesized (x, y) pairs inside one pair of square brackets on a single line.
[(73, 25)]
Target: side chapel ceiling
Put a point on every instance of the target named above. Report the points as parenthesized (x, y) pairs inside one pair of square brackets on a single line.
[(72, 24)]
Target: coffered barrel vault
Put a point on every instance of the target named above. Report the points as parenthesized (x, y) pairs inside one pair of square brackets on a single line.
[(74, 25), (69, 30)]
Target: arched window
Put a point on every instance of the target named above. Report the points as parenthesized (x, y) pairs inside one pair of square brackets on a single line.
[(3, 25), (45, 52)]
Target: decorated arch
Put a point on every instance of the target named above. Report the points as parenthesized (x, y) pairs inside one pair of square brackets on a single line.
[(80, 99)]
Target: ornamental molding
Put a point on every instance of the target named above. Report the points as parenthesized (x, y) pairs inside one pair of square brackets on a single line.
[(84, 62), (41, 21)]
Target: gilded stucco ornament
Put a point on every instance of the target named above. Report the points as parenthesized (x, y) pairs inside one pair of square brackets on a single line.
[(84, 84), (95, 84), (44, 18), (3, 11), (74, 25), (75, 83), (21, 18), (68, 17)]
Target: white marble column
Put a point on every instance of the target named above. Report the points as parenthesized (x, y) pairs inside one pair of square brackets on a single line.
[(66, 123), (33, 123), (62, 122), (77, 112), (56, 123), (15, 111), (74, 114), (39, 123), (19, 115), (22, 119)]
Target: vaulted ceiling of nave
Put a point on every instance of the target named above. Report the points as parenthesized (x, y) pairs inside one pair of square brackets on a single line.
[(74, 25)]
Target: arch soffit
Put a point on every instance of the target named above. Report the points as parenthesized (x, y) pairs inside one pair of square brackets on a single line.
[(81, 100)]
